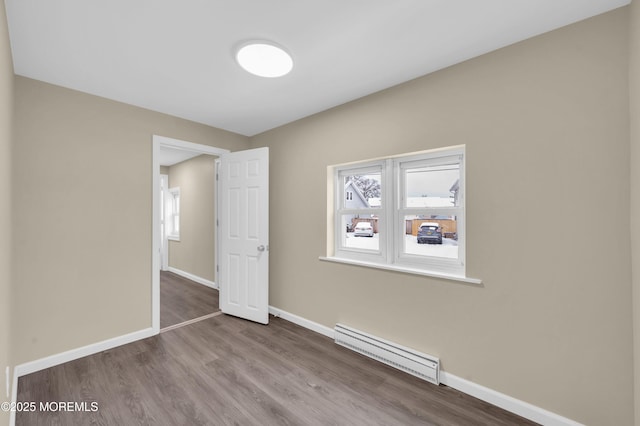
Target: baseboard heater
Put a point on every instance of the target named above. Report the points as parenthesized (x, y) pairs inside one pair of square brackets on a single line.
[(418, 364)]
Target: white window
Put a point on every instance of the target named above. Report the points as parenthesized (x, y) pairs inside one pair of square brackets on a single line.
[(173, 214), (403, 212)]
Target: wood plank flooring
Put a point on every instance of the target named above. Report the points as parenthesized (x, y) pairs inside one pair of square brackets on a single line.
[(227, 371), (183, 300)]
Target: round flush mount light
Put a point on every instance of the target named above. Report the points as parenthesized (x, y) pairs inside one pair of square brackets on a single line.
[(264, 59)]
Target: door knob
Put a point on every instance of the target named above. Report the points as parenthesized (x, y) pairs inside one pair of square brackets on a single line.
[(261, 248)]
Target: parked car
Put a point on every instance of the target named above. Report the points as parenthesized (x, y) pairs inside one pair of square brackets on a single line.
[(363, 229), (429, 233)]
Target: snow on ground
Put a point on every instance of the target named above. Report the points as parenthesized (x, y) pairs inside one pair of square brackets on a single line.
[(449, 248)]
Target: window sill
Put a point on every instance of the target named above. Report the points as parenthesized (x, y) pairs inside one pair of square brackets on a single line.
[(173, 238), (404, 269)]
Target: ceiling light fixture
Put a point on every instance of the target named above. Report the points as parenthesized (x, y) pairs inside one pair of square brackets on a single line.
[(264, 59)]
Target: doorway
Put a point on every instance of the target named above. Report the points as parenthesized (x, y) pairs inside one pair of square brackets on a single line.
[(192, 287), (187, 228)]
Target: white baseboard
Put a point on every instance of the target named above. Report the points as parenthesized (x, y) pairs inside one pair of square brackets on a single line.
[(303, 322), (53, 360), (513, 405), (192, 277), (61, 358), (516, 406)]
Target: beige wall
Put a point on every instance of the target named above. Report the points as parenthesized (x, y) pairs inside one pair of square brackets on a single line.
[(82, 215), (195, 251), (164, 170), (634, 97), (546, 125), (6, 123)]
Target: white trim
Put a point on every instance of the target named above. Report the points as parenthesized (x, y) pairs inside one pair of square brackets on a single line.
[(506, 402), (192, 277), (164, 263), (216, 215), (157, 143), (513, 405), (14, 397), (303, 322), (73, 354), (155, 235), (94, 348), (400, 268), (188, 146)]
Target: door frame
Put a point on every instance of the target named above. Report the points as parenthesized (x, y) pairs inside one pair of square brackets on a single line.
[(164, 241), (158, 143)]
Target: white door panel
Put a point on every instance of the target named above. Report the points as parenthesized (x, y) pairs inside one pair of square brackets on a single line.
[(243, 230)]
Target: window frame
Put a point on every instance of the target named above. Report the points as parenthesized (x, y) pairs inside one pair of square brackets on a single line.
[(439, 264), (173, 215), (393, 211), (369, 167)]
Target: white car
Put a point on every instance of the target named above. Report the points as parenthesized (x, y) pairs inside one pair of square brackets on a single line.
[(363, 229)]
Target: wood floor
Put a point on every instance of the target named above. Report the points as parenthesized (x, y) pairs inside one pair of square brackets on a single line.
[(183, 300), (227, 371)]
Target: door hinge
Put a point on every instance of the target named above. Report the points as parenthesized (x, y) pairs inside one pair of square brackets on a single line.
[(217, 176)]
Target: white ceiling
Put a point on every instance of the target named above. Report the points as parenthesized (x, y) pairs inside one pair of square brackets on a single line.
[(176, 57), (170, 156)]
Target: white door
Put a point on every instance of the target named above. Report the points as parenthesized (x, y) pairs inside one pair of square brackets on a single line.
[(243, 234)]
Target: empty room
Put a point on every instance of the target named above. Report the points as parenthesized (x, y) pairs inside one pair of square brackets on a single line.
[(305, 213)]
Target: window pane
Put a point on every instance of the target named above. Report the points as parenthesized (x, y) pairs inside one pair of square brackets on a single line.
[(433, 235), (432, 186), (362, 191), (360, 233)]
